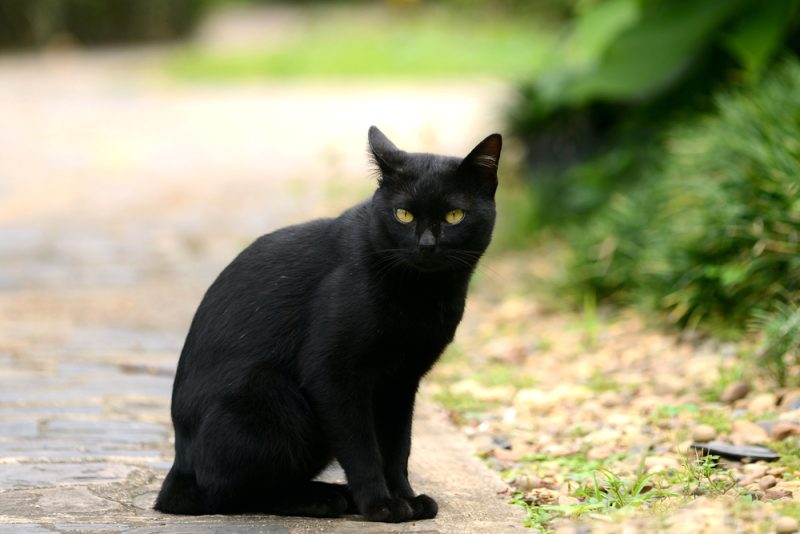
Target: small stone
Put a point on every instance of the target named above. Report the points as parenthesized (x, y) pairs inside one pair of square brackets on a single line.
[(566, 500), (756, 470), (786, 525), (777, 493), (746, 432), (481, 392), (654, 464), (703, 433), (761, 404), (599, 453), (528, 482), (783, 430), (752, 474), (501, 442), (508, 455), (483, 443), (735, 391), (541, 496), (790, 400), (767, 482)]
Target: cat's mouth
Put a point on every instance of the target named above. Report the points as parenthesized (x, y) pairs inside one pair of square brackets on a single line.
[(429, 263), (438, 261)]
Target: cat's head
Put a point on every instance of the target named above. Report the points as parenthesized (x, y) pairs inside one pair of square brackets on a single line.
[(434, 212)]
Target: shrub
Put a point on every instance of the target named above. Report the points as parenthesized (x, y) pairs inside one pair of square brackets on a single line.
[(713, 234), (33, 23), (624, 70)]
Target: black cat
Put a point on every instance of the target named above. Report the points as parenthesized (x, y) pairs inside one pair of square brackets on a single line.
[(311, 344)]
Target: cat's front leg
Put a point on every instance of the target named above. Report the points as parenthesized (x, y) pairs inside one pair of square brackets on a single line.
[(346, 414), (394, 409)]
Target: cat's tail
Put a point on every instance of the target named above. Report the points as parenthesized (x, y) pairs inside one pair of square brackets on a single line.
[(180, 495)]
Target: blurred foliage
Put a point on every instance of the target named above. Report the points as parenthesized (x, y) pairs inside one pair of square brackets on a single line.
[(713, 232), (594, 118), (780, 341), (419, 39), (348, 42), (36, 23)]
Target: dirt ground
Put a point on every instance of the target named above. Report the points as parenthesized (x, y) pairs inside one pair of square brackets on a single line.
[(590, 416)]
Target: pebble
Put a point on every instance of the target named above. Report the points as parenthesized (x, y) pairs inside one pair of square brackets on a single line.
[(762, 403), (756, 470), (777, 493), (483, 443), (660, 463), (566, 500), (767, 482), (791, 400), (783, 430), (735, 391), (744, 431), (600, 452), (508, 455), (501, 442), (786, 525), (704, 433), (528, 482)]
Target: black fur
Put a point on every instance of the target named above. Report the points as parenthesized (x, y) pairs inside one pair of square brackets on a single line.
[(310, 346)]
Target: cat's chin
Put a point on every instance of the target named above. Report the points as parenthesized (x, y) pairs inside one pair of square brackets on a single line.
[(432, 265)]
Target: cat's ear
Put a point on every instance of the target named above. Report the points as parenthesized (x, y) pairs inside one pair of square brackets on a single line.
[(385, 154), (482, 162)]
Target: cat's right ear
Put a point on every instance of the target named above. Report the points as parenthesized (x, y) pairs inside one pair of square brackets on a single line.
[(386, 156), (482, 162)]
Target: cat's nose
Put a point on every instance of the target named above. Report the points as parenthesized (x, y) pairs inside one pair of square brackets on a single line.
[(427, 243)]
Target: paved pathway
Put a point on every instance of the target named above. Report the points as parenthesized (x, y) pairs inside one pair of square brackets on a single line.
[(122, 194)]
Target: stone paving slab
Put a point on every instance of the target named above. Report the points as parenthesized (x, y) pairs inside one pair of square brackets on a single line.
[(121, 197)]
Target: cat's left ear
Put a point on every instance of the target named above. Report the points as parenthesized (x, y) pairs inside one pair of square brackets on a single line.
[(482, 162)]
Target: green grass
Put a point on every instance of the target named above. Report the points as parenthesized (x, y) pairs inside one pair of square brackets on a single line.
[(790, 457), (502, 374), (720, 420), (346, 42), (461, 403), (600, 490)]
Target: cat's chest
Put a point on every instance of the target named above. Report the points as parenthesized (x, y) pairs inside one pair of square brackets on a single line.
[(420, 320)]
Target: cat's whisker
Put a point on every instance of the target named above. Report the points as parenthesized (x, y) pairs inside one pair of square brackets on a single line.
[(469, 257)]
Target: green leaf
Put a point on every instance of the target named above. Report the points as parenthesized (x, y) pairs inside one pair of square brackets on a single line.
[(653, 54), (756, 38), (596, 28)]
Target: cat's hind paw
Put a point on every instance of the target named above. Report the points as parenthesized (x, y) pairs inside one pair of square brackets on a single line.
[(424, 507), (392, 510)]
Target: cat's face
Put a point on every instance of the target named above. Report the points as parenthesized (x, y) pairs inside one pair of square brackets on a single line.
[(434, 212)]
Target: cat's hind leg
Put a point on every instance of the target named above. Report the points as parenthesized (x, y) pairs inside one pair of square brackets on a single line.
[(311, 499), (256, 449), (180, 495)]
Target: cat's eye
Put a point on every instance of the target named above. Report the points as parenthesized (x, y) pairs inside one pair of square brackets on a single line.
[(404, 216), (454, 216)]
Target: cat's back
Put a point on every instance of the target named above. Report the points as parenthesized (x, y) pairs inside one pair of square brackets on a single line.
[(273, 273), (297, 257), (262, 298)]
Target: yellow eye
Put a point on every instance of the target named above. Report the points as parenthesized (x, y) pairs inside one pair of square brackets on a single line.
[(454, 216), (404, 216)]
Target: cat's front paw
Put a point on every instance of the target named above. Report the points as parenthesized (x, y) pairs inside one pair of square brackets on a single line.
[(424, 507), (391, 510)]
